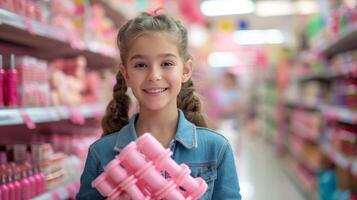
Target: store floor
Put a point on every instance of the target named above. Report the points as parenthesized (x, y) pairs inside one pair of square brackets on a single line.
[(261, 176)]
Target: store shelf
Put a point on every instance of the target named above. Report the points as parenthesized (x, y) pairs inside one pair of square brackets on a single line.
[(321, 76), (330, 73), (61, 193), (300, 105), (14, 116), (341, 114), (118, 16), (303, 132), (48, 42), (346, 42), (339, 159), (344, 70)]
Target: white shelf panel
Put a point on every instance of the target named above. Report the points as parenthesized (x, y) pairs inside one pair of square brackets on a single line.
[(13, 116), (340, 114)]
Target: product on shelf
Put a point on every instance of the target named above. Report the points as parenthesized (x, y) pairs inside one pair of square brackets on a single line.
[(327, 184), (136, 172), (20, 181), (306, 124), (2, 83), (33, 78), (30, 8), (11, 95)]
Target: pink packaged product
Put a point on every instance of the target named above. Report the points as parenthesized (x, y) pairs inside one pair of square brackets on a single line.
[(136, 173), (11, 84), (2, 83), (33, 81)]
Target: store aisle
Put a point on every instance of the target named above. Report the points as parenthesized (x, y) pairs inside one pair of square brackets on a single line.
[(260, 174)]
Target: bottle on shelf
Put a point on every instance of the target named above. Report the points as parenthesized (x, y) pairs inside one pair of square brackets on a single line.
[(32, 180), (16, 182), (11, 83), (10, 184), (25, 184), (4, 189), (2, 83), (40, 180)]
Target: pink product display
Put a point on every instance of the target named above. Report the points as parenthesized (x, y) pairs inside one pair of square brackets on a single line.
[(33, 78), (18, 182), (136, 173), (29, 8)]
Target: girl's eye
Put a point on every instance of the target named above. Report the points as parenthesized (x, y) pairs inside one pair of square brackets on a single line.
[(167, 64), (140, 65)]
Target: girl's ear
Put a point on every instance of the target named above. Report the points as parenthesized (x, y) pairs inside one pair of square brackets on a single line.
[(124, 73), (187, 71)]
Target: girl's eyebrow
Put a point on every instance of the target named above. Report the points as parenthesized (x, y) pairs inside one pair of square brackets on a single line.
[(167, 55), (138, 56)]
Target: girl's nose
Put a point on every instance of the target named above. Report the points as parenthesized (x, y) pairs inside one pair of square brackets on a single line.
[(154, 74)]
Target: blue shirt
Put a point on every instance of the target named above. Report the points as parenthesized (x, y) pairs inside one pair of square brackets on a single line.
[(207, 153)]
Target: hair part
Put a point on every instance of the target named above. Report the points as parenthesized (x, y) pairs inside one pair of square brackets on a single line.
[(116, 115)]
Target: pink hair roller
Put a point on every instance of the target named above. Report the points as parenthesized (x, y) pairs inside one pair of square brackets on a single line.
[(136, 172)]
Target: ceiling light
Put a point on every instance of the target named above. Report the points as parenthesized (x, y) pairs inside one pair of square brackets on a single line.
[(222, 59), (306, 7), (197, 36), (274, 8), (226, 7), (255, 37)]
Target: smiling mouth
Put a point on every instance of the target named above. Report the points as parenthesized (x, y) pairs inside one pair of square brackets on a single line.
[(155, 90)]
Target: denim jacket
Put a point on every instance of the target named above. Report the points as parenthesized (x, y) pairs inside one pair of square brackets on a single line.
[(207, 153)]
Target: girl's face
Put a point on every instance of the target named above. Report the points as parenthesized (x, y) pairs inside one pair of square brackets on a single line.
[(155, 71)]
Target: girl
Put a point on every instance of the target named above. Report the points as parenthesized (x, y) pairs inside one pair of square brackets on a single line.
[(157, 67)]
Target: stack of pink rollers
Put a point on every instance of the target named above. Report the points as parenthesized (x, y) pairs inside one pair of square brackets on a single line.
[(136, 172)]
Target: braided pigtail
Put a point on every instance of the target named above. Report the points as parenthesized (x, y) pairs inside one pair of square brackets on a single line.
[(191, 104), (116, 115)]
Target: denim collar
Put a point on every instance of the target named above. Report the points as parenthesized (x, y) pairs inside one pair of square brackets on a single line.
[(185, 134)]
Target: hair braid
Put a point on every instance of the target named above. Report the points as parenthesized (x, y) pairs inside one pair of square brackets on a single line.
[(191, 104), (116, 115)]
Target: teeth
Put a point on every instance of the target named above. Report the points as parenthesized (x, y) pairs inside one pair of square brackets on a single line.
[(156, 90)]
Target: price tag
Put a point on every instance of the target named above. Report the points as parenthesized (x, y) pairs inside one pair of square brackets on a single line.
[(28, 26), (27, 120), (76, 116)]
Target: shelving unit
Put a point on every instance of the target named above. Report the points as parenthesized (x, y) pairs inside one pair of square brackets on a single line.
[(113, 12), (49, 42), (339, 159), (334, 72), (301, 105), (339, 113), (24, 36), (14, 116), (346, 42)]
